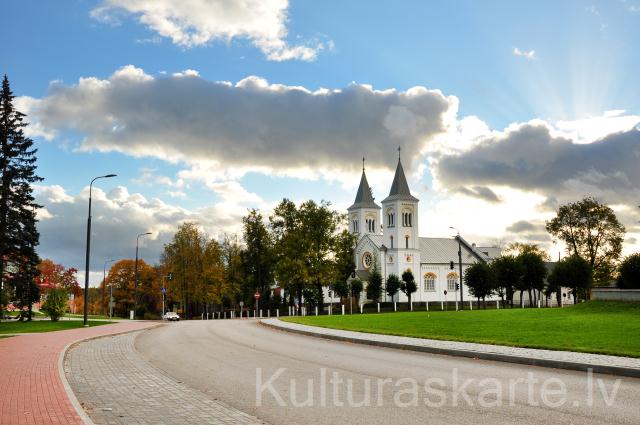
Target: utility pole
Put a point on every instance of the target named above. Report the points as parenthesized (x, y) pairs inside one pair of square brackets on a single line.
[(135, 293)]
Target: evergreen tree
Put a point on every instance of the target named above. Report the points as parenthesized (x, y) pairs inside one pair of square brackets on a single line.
[(18, 234), (393, 285), (408, 285), (374, 286)]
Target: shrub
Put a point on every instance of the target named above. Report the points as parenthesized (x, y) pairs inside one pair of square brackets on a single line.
[(56, 304)]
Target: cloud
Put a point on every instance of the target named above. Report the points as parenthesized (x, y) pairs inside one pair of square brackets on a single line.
[(198, 22), (535, 157), (522, 226), (527, 54), (118, 216), (250, 125), (481, 192)]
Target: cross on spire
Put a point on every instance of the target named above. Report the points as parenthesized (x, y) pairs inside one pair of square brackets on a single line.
[(363, 163), (399, 153)]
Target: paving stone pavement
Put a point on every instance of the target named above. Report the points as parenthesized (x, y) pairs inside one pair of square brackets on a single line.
[(115, 385), (627, 366)]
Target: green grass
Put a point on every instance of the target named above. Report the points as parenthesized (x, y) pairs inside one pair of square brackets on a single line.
[(91, 316), (593, 327), (42, 326)]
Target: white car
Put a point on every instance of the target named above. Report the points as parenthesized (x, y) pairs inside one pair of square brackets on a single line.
[(170, 315)]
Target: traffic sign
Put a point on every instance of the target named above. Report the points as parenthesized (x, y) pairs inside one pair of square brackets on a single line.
[(445, 292), (164, 290), (257, 295), (241, 303)]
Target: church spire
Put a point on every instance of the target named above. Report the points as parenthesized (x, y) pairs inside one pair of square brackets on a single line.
[(400, 187), (364, 196)]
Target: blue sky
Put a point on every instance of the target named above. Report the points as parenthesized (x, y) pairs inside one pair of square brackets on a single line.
[(505, 63)]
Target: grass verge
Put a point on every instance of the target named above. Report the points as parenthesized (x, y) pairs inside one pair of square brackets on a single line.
[(43, 326), (594, 327)]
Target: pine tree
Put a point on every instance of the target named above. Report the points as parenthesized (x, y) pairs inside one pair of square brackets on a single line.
[(18, 233)]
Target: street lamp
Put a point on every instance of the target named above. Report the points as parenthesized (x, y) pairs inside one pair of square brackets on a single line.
[(86, 268), (104, 283), (459, 264), (135, 294)]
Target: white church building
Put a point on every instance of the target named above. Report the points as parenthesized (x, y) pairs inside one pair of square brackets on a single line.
[(388, 238)]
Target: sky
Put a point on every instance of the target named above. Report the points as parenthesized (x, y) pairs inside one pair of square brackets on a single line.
[(206, 108)]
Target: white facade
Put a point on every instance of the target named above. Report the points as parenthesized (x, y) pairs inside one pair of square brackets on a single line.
[(396, 246)]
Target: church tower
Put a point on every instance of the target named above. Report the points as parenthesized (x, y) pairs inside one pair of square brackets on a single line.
[(400, 226), (364, 214)]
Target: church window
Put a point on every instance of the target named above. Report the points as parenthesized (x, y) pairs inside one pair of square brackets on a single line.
[(407, 219), (406, 241), (391, 241), (429, 282), (390, 219), (452, 279), (355, 226)]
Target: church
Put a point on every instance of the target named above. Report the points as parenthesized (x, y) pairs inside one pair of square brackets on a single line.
[(388, 238)]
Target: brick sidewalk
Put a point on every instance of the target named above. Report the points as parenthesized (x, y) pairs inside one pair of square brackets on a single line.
[(32, 391)]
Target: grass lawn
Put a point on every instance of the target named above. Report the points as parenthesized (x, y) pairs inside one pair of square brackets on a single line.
[(91, 316), (592, 327), (42, 326)]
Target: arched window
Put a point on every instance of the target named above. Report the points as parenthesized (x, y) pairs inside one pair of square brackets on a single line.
[(429, 282), (391, 241), (452, 279), (355, 226), (390, 219), (406, 241)]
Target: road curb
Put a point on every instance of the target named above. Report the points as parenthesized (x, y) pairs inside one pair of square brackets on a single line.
[(556, 364), (63, 377)]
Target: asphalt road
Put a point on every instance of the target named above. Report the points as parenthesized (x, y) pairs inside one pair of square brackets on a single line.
[(284, 378)]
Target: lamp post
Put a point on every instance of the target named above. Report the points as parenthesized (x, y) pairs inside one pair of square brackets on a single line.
[(104, 281), (459, 265), (135, 293), (88, 252)]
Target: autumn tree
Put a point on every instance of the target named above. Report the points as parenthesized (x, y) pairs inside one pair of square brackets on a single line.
[(289, 256), (183, 256), (121, 278), (56, 275), (591, 231)]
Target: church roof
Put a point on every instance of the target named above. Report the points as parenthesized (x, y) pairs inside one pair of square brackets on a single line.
[(364, 197), (400, 187), (441, 250)]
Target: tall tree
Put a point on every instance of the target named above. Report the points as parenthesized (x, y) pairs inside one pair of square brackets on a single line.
[(374, 286), (408, 285), (592, 231), (507, 272), (534, 272), (19, 236), (629, 273), (393, 285), (58, 276), (479, 280), (319, 225), (258, 256), (572, 272), (289, 248), (183, 256)]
